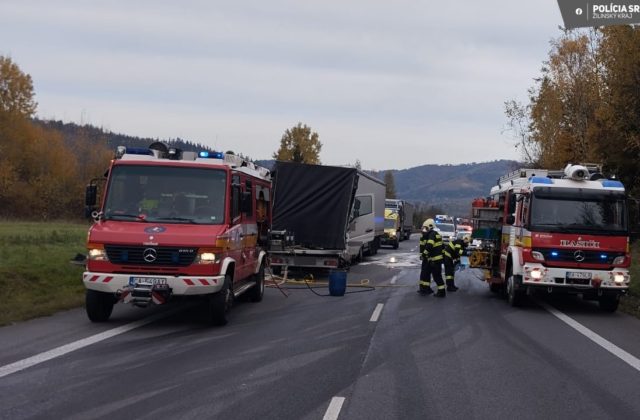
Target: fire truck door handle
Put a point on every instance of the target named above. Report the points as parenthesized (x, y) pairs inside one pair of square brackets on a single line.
[(369, 230)]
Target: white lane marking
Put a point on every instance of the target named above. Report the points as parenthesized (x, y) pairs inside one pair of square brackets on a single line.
[(602, 342), (68, 348), (394, 279), (376, 312), (334, 408)]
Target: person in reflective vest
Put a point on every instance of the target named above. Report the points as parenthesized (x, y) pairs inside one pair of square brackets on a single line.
[(452, 253), (432, 257)]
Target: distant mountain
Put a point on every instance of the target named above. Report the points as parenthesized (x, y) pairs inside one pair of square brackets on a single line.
[(450, 187)]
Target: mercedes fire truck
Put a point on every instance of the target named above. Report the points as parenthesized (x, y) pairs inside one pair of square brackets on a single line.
[(177, 223), (557, 232)]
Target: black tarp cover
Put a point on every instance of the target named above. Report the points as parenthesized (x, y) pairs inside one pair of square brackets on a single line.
[(314, 203)]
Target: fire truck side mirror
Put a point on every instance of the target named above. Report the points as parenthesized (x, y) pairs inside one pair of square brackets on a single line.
[(90, 195), (511, 219)]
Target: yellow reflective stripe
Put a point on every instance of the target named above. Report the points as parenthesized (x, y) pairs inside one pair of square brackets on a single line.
[(447, 253), (425, 283), (436, 258), (448, 277), (438, 243), (430, 241), (441, 287)]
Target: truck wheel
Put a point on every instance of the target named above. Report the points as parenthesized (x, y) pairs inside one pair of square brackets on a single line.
[(514, 296), (609, 303), (257, 291), (99, 305), (495, 287), (220, 303)]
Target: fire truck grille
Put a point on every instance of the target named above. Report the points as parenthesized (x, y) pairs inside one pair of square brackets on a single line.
[(151, 256), (578, 256)]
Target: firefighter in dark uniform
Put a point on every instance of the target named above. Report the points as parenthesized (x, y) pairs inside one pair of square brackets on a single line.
[(432, 256), (452, 253)]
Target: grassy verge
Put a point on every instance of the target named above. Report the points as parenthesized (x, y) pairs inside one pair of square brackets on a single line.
[(631, 303), (36, 278)]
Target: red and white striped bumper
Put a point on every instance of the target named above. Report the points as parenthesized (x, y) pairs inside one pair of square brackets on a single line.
[(180, 285)]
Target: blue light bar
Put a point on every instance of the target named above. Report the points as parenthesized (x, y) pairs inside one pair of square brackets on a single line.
[(541, 180), (603, 256), (138, 151), (210, 155), (554, 253), (612, 184)]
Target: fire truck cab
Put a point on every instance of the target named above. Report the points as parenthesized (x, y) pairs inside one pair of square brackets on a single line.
[(556, 232), (177, 223)]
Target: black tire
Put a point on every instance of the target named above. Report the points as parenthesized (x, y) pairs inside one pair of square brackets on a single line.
[(514, 296), (495, 287), (396, 244), (609, 303), (220, 303), (256, 293), (99, 305)]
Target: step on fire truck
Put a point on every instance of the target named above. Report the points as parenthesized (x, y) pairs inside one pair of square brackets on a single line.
[(556, 232), (177, 223)]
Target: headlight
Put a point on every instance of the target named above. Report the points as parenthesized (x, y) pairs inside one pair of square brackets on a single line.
[(537, 255), (205, 256), (618, 278), (393, 233), (619, 260), (97, 253), (536, 274)]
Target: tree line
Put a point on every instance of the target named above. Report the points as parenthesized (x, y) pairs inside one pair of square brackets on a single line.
[(585, 106)]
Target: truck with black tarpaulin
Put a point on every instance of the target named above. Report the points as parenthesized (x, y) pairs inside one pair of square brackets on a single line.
[(315, 216)]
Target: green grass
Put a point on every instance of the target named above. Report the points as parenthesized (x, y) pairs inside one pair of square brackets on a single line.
[(36, 278)]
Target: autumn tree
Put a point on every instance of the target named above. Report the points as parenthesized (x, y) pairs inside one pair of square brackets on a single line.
[(16, 90), (391, 184), (556, 126), (617, 133), (299, 144)]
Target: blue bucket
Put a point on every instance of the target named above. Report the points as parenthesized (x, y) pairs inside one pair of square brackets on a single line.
[(337, 282)]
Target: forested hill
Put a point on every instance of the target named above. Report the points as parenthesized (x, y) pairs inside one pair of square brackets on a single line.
[(450, 187), (73, 133)]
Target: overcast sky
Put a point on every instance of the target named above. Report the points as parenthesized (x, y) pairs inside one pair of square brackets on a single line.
[(395, 84)]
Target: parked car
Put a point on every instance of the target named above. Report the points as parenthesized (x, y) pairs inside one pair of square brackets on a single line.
[(447, 231)]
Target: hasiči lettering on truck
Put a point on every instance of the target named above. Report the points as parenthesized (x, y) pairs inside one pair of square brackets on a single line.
[(555, 232)]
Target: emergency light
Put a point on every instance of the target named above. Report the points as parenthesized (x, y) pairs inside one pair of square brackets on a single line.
[(210, 155)]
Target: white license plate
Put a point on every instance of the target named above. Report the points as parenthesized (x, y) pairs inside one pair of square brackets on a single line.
[(147, 280), (578, 275)]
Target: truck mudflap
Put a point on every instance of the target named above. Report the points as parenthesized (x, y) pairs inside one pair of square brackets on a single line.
[(158, 286), (579, 279)]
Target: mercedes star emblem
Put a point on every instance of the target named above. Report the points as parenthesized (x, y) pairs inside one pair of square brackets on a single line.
[(150, 255), (578, 255)]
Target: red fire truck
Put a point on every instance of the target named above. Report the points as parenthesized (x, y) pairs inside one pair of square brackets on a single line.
[(177, 223), (557, 232)]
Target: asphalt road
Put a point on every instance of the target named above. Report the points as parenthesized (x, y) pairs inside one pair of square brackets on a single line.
[(387, 353)]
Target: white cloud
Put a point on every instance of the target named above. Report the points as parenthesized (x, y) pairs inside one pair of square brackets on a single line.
[(430, 79)]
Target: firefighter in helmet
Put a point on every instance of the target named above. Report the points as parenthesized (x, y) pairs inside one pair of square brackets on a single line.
[(452, 252), (431, 256)]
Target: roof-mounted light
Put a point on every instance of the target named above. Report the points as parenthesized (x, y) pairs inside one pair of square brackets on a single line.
[(210, 155), (123, 150), (540, 180)]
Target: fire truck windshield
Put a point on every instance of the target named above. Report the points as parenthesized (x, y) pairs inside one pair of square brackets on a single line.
[(166, 194), (578, 210)]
